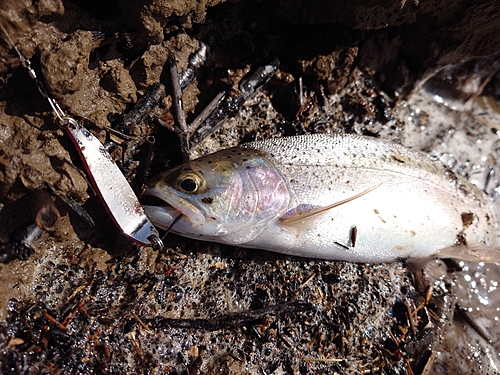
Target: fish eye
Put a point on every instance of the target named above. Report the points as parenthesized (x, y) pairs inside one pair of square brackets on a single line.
[(189, 182)]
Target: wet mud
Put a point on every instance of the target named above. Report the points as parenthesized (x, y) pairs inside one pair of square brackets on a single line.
[(89, 301)]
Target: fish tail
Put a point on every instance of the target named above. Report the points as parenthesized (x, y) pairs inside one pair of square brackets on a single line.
[(474, 253)]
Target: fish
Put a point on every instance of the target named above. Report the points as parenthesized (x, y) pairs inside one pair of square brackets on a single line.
[(328, 196)]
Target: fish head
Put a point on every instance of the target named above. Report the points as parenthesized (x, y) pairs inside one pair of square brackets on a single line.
[(227, 197)]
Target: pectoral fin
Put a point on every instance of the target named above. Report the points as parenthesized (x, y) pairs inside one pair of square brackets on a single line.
[(302, 214)]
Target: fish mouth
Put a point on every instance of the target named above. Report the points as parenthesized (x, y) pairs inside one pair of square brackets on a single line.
[(151, 200), (163, 207)]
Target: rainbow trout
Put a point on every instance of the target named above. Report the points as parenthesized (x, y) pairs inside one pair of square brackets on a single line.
[(342, 197)]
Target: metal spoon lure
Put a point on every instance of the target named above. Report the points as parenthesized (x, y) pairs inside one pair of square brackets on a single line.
[(113, 188)]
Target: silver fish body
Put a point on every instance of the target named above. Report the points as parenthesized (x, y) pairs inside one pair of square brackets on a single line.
[(342, 197)]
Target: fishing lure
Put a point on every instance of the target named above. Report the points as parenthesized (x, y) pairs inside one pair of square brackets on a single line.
[(341, 197), (111, 185), (114, 190)]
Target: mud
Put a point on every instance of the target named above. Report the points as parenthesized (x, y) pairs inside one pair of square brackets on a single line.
[(78, 303)]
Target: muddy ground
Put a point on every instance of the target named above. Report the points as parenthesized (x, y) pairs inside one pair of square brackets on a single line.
[(89, 301)]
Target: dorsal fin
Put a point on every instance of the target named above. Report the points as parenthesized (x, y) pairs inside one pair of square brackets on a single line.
[(317, 211)]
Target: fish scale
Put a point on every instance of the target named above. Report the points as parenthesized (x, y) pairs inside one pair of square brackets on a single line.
[(347, 151), (318, 190), (344, 164)]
